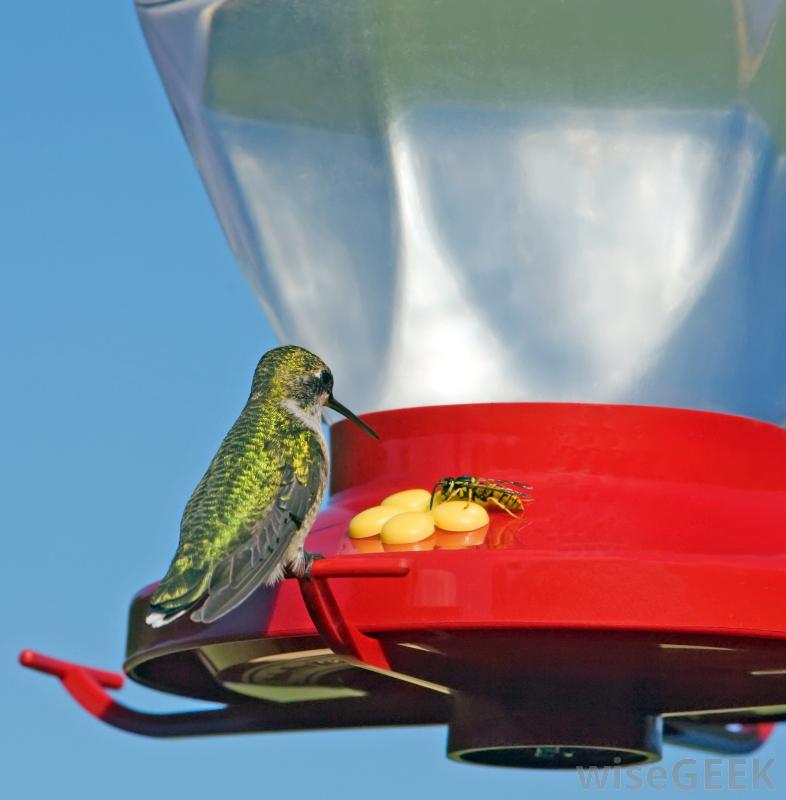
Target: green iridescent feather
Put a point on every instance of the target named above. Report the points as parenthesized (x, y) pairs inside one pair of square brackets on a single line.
[(266, 479)]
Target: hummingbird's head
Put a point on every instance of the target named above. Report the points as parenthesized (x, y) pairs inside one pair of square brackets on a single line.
[(300, 381)]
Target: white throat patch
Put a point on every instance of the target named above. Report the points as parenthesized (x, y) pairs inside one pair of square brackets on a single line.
[(311, 420)]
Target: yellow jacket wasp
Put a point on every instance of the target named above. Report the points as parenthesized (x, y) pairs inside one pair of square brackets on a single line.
[(510, 496)]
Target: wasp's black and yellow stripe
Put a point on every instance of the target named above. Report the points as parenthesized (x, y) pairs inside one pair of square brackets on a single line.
[(508, 495)]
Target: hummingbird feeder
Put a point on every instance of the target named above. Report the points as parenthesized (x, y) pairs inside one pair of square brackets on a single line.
[(541, 243)]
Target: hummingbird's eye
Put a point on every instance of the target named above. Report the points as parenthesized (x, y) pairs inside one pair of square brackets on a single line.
[(326, 379)]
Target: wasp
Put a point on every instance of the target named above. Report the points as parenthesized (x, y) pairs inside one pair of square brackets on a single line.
[(510, 496)]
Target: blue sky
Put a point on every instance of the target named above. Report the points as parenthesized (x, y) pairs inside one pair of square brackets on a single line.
[(129, 337)]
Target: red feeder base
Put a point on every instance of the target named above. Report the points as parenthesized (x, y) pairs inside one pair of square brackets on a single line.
[(643, 591)]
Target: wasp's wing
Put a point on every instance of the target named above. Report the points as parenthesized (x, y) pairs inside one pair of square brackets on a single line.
[(503, 483), (514, 488), (259, 559)]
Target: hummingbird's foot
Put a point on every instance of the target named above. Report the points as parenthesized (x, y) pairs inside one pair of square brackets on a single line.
[(308, 562), (301, 568)]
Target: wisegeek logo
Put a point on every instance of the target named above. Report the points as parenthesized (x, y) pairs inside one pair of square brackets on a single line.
[(687, 774)]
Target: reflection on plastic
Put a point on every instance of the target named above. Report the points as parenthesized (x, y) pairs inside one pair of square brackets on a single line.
[(439, 540), (533, 201)]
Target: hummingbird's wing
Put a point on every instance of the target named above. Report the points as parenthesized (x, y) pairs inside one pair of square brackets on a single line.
[(261, 559), (236, 528)]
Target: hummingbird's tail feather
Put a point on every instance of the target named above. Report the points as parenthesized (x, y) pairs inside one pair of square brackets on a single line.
[(177, 594), (157, 619), (262, 558)]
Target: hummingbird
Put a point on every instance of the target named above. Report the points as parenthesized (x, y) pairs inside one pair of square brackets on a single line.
[(248, 517)]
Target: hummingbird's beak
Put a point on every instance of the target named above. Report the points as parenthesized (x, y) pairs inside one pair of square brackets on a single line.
[(342, 409)]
